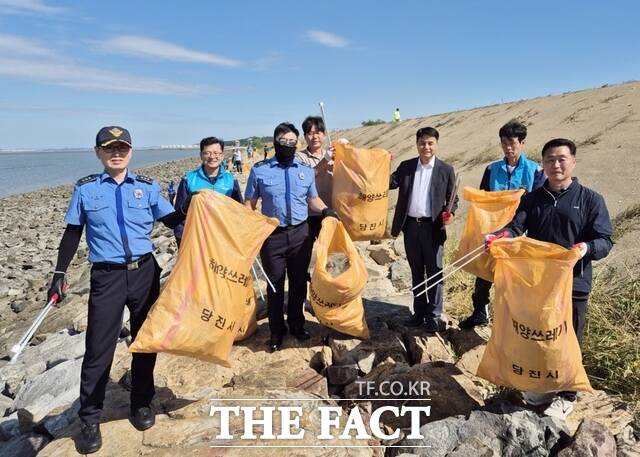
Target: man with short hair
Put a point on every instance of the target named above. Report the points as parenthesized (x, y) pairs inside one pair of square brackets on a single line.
[(209, 175), (569, 214), (318, 158), (119, 208), (426, 186), (513, 171), (287, 189)]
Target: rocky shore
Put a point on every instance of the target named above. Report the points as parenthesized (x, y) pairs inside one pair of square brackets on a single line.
[(469, 416)]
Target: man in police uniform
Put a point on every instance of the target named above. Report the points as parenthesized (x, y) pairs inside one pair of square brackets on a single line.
[(287, 189), (118, 208)]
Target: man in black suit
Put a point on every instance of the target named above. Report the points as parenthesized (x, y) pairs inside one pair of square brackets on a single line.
[(426, 187)]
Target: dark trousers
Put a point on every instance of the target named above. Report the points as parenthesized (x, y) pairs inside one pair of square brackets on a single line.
[(315, 224), (111, 290), (286, 251), (480, 297), (579, 319), (424, 253)]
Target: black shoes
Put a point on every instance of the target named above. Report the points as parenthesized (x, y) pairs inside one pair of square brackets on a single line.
[(142, 418), (473, 321), (301, 334), (275, 343), (90, 439), (414, 321), (431, 325)]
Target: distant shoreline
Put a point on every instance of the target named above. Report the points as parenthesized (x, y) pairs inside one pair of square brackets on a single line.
[(162, 172)]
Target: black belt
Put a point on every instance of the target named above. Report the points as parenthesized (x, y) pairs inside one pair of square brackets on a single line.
[(288, 227), (420, 219), (123, 266)]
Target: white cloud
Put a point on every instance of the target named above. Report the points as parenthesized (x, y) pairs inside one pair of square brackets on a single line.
[(18, 46), (94, 79), (327, 39), (29, 60), (150, 47), (267, 61), (27, 6)]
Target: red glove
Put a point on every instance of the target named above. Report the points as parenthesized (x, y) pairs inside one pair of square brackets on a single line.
[(447, 217), (583, 247), (491, 237)]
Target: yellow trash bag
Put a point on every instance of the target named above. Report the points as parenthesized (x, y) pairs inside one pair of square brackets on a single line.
[(208, 299), (336, 301), (488, 212), (361, 190), (533, 345)]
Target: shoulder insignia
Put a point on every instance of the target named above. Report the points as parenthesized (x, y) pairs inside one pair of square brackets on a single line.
[(304, 164), (261, 163), (87, 179), (144, 179)]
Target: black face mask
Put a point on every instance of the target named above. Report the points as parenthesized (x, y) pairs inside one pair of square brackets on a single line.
[(284, 154)]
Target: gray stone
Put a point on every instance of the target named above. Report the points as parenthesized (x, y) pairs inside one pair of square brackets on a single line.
[(24, 446), (398, 246), (9, 427), (341, 375), (507, 435), (375, 272), (57, 422), (19, 305), (380, 288), (6, 404), (401, 276), (52, 389), (423, 349), (34, 360), (592, 439), (353, 351)]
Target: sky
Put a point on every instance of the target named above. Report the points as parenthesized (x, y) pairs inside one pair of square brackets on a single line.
[(175, 72)]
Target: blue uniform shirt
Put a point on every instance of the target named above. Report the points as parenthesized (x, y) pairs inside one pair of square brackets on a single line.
[(284, 190), (119, 218)]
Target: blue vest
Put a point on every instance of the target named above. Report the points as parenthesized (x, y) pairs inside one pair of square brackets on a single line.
[(196, 180), (522, 176)]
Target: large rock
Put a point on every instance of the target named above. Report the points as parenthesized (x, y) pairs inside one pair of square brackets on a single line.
[(282, 374), (34, 360), (514, 434), (437, 384), (427, 348), (382, 344), (196, 435), (9, 427), (6, 405), (341, 375), (24, 445), (52, 389), (610, 412), (401, 276), (591, 440), (382, 254)]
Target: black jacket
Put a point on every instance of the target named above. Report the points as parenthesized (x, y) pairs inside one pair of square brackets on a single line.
[(443, 181), (575, 215)]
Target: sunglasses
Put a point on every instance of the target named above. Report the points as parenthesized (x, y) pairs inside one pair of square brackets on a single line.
[(287, 142), (117, 149)]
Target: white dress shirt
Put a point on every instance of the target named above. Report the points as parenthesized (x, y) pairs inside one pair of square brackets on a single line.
[(420, 204)]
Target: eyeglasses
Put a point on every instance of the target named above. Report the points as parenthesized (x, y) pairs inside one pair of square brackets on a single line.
[(122, 149), (287, 142), (212, 154)]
